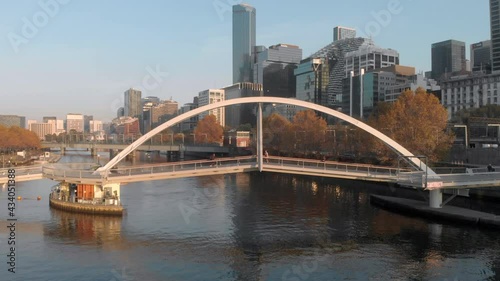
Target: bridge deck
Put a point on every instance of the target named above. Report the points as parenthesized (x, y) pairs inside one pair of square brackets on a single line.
[(85, 174)]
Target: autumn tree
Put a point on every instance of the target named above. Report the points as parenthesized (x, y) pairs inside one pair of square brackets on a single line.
[(208, 130), (308, 131), (276, 128), (417, 121), (16, 138)]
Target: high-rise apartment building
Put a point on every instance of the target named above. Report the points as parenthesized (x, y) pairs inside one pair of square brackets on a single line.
[(448, 57), (480, 56), (495, 33), (133, 105), (211, 96), (243, 42), (340, 33)]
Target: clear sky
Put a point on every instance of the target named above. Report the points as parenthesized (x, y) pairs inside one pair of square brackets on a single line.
[(79, 56)]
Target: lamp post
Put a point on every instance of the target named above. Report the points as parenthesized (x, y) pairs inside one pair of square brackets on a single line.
[(466, 136), (98, 162), (498, 130)]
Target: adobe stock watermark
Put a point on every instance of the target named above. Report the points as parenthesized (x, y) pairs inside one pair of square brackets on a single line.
[(31, 26), (222, 7), (151, 81), (382, 18), (120, 276)]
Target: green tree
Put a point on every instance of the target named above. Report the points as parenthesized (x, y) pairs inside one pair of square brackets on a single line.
[(417, 121), (208, 130)]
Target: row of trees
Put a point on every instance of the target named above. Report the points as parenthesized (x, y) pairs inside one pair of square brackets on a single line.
[(16, 138), (417, 121)]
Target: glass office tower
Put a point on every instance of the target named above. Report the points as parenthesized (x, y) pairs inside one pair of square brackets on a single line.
[(243, 42)]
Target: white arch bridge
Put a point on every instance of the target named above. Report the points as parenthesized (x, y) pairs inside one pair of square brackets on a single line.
[(424, 177)]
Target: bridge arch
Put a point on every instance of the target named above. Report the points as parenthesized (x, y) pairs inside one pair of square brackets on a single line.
[(388, 141)]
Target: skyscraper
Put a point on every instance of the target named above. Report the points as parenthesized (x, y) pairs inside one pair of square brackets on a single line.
[(480, 56), (447, 57), (274, 69), (133, 105), (340, 32), (243, 42), (495, 33)]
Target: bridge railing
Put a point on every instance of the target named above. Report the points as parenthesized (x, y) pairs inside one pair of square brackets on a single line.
[(21, 171), (182, 166), (367, 169), (470, 179)]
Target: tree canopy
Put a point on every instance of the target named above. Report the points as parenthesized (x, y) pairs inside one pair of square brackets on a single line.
[(487, 111), (208, 130), (16, 138), (417, 121)]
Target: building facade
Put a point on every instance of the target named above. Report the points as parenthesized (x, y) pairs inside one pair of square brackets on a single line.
[(480, 56), (495, 34), (13, 120), (133, 104), (244, 25), (241, 113), (211, 96), (340, 33), (42, 129), (74, 122), (189, 124), (274, 69), (448, 58), (320, 76), (470, 91), (382, 85), (369, 57)]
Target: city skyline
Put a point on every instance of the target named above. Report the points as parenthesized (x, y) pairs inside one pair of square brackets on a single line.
[(84, 65)]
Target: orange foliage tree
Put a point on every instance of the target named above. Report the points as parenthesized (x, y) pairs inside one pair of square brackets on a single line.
[(307, 132), (15, 138), (417, 121), (276, 128), (208, 130)]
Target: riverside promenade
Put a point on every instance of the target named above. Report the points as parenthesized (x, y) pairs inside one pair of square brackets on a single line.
[(446, 213)]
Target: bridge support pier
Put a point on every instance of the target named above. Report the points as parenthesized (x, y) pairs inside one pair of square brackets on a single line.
[(93, 152), (260, 146), (435, 198), (63, 150)]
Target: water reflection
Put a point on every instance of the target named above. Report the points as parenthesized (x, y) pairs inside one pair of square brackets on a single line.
[(84, 229)]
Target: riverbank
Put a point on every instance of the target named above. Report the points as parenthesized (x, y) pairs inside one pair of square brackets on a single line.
[(446, 213)]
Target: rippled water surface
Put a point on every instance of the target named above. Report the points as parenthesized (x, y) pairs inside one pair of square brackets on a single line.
[(243, 227)]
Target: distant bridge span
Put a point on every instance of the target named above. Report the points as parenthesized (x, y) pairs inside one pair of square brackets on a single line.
[(435, 195)]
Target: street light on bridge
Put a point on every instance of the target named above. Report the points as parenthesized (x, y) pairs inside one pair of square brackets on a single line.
[(466, 136), (498, 130)]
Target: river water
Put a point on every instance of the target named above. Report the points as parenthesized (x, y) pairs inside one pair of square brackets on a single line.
[(243, 227)]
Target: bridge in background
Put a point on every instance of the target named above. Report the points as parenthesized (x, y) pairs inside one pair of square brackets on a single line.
[(94, 146)]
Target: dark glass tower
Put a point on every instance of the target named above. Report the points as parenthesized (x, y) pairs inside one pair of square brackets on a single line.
[(243, 42), (448, 57), (495, 33)]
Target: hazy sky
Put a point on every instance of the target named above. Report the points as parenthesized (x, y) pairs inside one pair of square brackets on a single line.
[(81, 55)]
